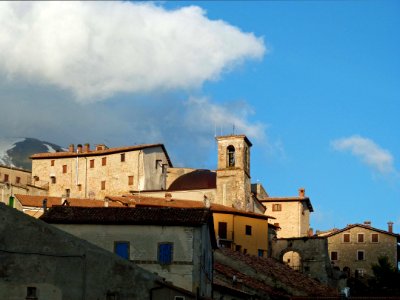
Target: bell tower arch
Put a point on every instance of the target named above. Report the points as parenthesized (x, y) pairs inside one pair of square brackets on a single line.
[(233, 172)]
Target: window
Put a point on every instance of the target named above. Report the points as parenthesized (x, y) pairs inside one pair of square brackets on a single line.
[(238, 248), (360, 255), (260, 253), (91, 163), (31, 293), (122, 157), (276, 207), (36, 178), (231, 156), (158, 163), (64, 169), (104, 161), (17, 180), (67, 193), (122, 249), (79, 187), (165, 253), (374, 238), (222, 230), (103, 185), (179, 298), (244, 251), (346, 237), (53, 179), (130, 180), (276, 224), (52, 163), (334, 255), (6, 177), (248, 230), (360, 237)]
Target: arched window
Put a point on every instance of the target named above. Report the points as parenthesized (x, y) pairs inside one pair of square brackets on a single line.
[(231, 156)]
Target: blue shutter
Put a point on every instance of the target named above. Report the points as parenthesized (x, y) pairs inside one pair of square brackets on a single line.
[(165, 254), (122, 249)]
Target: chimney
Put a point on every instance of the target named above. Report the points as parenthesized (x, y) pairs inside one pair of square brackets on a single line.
[(390, 227), (168, 197), (79, 148), (87, 148), (310, 232), (302, 193), (71, 148), (367, 223)]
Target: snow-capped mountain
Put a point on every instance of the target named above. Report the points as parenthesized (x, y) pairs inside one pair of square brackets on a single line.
[(15, 152)]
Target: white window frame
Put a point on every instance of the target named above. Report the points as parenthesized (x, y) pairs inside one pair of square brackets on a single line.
[(377, 234), (346, 233), (363, 235)]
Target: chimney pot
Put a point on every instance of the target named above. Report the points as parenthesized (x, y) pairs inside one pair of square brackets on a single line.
[(367, 223), (71, 148), (390, 227), (302, 192), (168, 197), (79, 148), (87, 148)]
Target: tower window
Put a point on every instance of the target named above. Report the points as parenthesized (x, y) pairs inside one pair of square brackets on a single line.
[(231, 156), (122, 157)]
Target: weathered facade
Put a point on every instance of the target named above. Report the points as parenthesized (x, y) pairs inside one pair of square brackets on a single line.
[(292, 214), (177, 244), (356, 247), (86, 173), (39, 261)]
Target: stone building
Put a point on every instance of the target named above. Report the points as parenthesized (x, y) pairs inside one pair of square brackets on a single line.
[(86, 173), (39, 261), (174, 243), (17, 181), (292, 214), (356, 247)]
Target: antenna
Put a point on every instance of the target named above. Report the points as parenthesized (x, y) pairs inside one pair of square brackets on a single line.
[(215, 129), (233, 129)]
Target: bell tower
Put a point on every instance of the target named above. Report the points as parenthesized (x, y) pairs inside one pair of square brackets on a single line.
[(233, 172)]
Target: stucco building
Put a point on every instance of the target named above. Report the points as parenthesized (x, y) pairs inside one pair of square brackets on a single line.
[(356, 247), (86, 173), (39, 261), (175, 243)]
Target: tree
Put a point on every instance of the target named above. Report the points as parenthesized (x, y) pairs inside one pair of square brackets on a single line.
[(386, 280)]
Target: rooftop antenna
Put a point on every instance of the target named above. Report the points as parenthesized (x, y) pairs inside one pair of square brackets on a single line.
[(215, 129), (233, 129)]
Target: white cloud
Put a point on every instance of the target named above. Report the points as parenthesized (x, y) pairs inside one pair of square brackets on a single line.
[(368, 151), (97, 49)]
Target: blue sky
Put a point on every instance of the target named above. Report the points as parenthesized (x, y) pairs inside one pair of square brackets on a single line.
[(314, 84)]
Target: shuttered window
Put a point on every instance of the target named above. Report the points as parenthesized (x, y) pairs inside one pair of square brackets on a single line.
[(122, 249), (165, 253)]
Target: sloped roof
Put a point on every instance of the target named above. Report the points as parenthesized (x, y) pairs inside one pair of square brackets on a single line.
[(288, 199), (99, 152), (37, 201), (198, 179), (268, 275), (337, 231), (166, 216), (146, 201)]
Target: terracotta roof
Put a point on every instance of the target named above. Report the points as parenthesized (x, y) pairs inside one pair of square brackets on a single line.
[(99, 152), (14, 168), (274, 275), (198, 179), (37, 201), (146, 201), (362, 226), (288, 199), (166, 216)]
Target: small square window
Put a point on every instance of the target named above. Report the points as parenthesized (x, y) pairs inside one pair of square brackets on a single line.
[(360, 255), (79, 187), (6, 178), (91, 163), (130, 180), (53, 179), (334, 255), (31, 293), (17, 180), (122, 249), (104, 161), (374, 238), (222, 230), (346, 237), (248, 230), (360, 237), (52, 162), (64, 169), (277, 207), (122, 157), (103, 185), (165, 253), (260, 253)]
